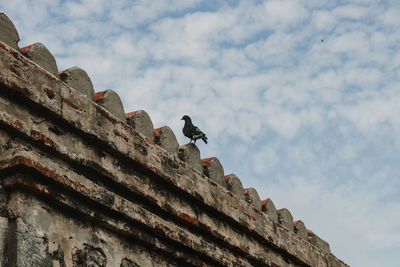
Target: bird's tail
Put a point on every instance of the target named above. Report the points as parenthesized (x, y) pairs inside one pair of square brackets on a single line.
[(204, 138)]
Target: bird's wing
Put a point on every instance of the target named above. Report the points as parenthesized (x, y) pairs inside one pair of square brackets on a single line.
[(197, 133), (197, 130)]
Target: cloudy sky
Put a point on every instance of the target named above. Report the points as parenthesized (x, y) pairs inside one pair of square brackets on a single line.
[(299, 98)]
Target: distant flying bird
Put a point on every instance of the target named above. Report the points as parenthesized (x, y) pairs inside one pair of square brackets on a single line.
[(192, 132)]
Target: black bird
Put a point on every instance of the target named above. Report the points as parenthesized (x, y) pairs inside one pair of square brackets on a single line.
[(191, 131)]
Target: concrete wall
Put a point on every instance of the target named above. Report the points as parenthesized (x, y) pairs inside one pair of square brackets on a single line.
[(85, 184)]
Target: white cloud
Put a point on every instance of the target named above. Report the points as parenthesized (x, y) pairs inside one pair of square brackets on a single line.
[(350, 12), (283, 12), (352, 44), (390, 17), (324, 20)]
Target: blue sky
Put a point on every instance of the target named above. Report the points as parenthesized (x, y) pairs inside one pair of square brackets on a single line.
[(314, 125)]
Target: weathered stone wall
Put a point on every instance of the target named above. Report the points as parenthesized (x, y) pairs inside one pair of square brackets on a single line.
[(85, 184)]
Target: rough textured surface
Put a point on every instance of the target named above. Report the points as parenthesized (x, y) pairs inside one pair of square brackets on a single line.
[(318, 242), (8, 33), (78, 79), (111, 101), (88, 256), (300, 229), (213, 169), (52, 239), (80, 187), (141, 122), (165, 138), (234, 185), (128, 263), (4, 138), (268, 207), (252, 197), (39, 54), (32, 246), (3, 238), (190, 154), (286, 219)]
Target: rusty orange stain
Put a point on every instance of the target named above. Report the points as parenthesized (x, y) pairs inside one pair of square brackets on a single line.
[(206, 161), (99, 95), (264, 202), (40, 137), (226, 177), (157, 132), (130, 114), (41, 189), (30, 163), (296, 222), (62, 72), (149, 141), (26, 48), (17, 124), (69, 103), (244, 250), (21, 160), (280, 210), (187, 218)]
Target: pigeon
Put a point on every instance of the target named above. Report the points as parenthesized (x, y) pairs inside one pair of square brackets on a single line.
[(192, 132)]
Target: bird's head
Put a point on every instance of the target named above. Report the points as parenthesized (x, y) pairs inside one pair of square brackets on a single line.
[(186, 118)]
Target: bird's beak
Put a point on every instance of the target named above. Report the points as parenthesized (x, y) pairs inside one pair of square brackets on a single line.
[(181, 119)]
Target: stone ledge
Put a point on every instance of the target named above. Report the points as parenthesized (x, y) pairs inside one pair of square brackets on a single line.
[(109, 206), (249, 246), (91, 120)]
